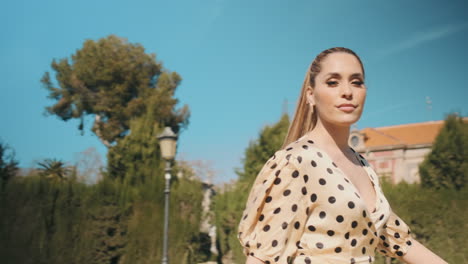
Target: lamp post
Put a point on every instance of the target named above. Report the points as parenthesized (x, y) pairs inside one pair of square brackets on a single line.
[(167, 142)]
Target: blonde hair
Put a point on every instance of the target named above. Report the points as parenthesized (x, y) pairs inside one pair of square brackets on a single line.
[(305, 116)]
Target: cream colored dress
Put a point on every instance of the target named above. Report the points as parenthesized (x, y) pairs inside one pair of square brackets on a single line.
[(303, 209)]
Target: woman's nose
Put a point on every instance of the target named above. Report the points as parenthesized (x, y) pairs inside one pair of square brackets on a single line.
[(346, 91)]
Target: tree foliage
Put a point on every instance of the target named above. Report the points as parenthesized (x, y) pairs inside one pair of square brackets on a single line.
[(114, 81), (230, 204), (8, 163), (446, 166)]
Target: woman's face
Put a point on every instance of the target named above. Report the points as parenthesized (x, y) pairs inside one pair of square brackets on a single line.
[(339, 91)]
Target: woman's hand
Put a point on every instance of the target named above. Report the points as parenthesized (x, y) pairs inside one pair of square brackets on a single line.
[(418, 254)]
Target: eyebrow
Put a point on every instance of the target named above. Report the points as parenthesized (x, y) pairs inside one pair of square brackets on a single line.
[(338, 76)]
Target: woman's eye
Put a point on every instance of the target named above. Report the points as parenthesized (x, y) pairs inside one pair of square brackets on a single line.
[(332, 83), (358, 83)]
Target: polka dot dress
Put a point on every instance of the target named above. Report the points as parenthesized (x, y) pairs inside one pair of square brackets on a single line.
[(303, 209)]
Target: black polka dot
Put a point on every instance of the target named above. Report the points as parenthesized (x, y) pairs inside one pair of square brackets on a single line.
[(353, 261), (273, 166), (304, 190), (307, 211), (322, 181), (397, 222), (338, 250), (274, 243), (346, 235), (288, 149), (381, 217), (310, 141), (313, 163), (259, 245), (408, 243), (284, 225), (268, 199), (397, 235), (353, 242), (306, 178), (319, 154), (371, 241), (261, 217), (277, 181), (364, 231), (357, 195), (245, 216), (313, 197), (287, 192), (351, 205), (399, 253), (382, 237), (329, 171), (299, 159), (297, 225), (354, 224), (294, 207), (334, 164), (307, 260), (266, 228), (331, 199), (340, 187), (305, 146), (277, 258), (295, 174), (396, 247), (322, 214), (277, 210), (288, 156), (298, 245), (364, 213), (369, 224), (363, 250), (330, 232), (319, 245), (311, 228), (339, 219)]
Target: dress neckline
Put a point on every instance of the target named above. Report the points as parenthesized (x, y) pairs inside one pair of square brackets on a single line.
[(374, 185)]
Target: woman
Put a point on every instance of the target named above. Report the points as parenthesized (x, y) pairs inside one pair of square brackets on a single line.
[(317, 200)]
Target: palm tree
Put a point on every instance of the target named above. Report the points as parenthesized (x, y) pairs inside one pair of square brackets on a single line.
[(53, 169)]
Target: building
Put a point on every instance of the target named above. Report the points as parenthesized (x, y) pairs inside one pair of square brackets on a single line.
[(395, 152)]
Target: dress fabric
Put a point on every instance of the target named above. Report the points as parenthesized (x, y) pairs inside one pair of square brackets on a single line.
[(303, 209)]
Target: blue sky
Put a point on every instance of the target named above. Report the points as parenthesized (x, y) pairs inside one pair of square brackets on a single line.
[(239, 60)]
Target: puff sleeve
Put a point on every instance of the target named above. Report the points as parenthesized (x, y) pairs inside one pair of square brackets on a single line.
[(276, 211), (395, 239)]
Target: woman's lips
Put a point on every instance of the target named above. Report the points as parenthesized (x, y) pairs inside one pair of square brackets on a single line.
[(347, 108)]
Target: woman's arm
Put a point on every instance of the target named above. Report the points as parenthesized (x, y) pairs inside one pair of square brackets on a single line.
[(418, 254), (253, 260)]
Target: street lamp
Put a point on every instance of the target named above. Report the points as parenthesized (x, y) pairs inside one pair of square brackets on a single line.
[(167, 142)]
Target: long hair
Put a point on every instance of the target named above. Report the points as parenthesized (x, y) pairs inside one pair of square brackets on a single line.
[(305, 116)]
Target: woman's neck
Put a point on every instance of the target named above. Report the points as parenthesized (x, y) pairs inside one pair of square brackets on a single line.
[(330, 137)]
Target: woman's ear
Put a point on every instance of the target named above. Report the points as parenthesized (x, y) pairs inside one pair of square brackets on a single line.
[(310, 96)]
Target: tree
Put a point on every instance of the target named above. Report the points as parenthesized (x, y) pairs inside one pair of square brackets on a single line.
[(114, 81), (8, 163), (230, 204), (446, 166), (54, 170)]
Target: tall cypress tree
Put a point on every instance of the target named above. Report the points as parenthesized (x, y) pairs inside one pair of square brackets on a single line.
[(446, 166)]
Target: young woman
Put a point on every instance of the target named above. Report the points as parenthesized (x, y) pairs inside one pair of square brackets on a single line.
[(317, 200)]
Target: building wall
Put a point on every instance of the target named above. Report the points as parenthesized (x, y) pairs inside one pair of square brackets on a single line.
[(397, 164)]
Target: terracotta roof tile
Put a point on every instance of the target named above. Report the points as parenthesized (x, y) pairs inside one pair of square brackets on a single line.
[(408, 134)]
